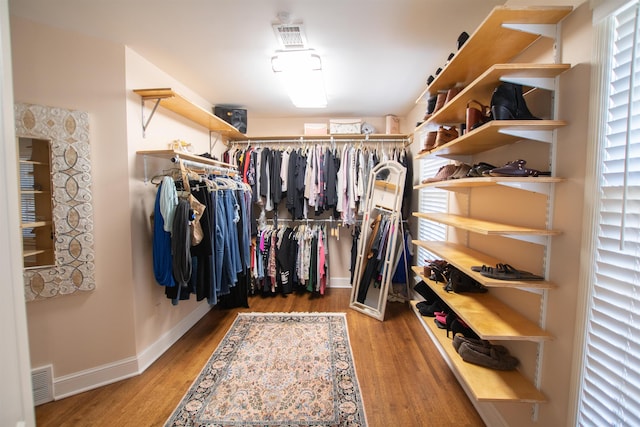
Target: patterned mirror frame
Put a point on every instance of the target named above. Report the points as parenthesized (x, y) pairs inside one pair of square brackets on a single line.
[(68, 133)]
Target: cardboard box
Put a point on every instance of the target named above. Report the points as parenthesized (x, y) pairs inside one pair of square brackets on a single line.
[(315, 129), (393, 124)]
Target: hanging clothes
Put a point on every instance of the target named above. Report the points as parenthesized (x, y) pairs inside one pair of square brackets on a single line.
[(217, 262)]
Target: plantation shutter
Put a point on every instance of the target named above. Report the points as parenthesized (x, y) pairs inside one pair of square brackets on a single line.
[(610, 383), (430, 200)]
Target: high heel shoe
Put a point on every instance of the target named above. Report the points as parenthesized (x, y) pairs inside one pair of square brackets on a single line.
[(507, 103)]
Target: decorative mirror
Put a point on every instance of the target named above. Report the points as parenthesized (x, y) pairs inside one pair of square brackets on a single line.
[(377, 245), (56, 209)]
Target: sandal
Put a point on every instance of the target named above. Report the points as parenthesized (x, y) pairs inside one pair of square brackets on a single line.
[(505, 272), (516, 168)]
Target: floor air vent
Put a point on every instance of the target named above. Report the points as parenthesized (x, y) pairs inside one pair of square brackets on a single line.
[(42, 383)]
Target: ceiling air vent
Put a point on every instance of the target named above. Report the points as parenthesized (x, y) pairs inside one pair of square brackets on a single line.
[(290, 36)]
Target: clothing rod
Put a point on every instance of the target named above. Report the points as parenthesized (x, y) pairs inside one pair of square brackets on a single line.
[(229, 168), (325, 220), (323, 141)]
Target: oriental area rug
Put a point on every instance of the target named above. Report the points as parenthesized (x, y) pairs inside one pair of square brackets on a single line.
[(277, 369)]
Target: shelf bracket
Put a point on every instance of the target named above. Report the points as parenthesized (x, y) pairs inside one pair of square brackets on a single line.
[(534, 187), (145, 123), (536, 135), (536, 240), (548, 83), (146, 175), (545, 30)]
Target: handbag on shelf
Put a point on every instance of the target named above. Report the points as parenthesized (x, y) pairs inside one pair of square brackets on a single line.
[(477, 115)]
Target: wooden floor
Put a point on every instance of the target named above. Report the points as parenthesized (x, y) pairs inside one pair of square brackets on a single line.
[(403, 379)]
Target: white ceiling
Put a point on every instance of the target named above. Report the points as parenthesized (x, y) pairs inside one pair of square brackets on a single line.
[(377, 54)]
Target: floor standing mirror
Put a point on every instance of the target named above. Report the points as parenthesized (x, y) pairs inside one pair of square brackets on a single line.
[(377, 246)]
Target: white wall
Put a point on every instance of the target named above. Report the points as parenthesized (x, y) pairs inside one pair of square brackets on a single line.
[(16, 401)]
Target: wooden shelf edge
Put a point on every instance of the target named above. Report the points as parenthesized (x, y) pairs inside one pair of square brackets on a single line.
[(484, 227), (29, 253), (496, 73), (33, 162), (484, 384), (35, 224), (495, 132), (476, 55), (490, 318), (464, 258), (171, 100), (487, 181), (169, 154)]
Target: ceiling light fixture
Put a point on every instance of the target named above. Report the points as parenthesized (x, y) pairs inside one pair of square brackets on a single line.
[(301, 73)]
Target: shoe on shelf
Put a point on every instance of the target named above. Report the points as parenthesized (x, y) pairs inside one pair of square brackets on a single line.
[(478, 169), (445, 135), (507, 103), (497, 357), (462, 38), (443, 173), (459, 339), (517, 168), (505, 272), (461, 172)]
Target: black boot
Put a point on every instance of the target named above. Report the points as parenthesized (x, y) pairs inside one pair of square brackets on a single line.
[(507, 103)]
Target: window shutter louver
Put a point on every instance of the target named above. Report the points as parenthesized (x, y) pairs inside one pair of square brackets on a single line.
[(430, 200), (610, 383)]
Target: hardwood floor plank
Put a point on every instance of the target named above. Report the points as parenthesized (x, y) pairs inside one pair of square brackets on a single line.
[(403, 379)]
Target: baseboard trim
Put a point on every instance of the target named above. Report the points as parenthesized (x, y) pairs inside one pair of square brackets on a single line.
[(157, 349), (340, 282), (92, 378), (82, 381)]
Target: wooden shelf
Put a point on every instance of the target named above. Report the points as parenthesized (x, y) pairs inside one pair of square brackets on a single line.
[(482, 88), (489, 317), (497, 133), (492, 43), (464, 258), (170, 154), (34, 192), (33, 162), (484, 227), (314, 138), (29, 253), (175, 102), (35, 224), (484, 384), (540, 184)]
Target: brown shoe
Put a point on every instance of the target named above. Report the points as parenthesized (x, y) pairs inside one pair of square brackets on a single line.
[(452, 93), (497, 357), (443, 173), (440, 101), (445, 135)]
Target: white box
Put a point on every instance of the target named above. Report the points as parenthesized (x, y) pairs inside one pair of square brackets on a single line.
[(315, 129), (345, 126)]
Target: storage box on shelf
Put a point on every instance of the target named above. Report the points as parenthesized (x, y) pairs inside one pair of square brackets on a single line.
[(479, 67)]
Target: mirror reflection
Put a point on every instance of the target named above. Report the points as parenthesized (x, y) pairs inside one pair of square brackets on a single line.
[(377, 244)]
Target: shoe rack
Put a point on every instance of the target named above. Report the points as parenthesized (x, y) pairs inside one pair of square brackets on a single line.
[(480, 65)]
